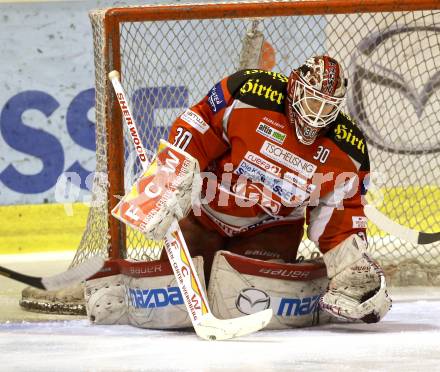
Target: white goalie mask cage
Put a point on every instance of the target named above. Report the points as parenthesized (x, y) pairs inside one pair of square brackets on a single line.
[(316, 94)]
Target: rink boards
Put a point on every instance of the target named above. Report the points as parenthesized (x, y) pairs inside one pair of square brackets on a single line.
[(58, 227)]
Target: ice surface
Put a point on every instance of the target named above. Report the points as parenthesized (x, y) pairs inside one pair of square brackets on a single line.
[(408, 339)]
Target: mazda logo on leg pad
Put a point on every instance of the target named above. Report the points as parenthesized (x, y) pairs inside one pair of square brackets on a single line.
[(252, 300)]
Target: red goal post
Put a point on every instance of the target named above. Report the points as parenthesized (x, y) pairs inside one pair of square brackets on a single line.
[(170, 55)]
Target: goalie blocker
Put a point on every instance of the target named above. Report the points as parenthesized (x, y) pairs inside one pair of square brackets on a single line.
[(145, 294), (164, 193)]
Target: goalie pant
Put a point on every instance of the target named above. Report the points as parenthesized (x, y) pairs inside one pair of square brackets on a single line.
[(146, 295)]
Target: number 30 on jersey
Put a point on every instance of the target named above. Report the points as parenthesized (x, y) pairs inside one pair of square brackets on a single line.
[(322, 154), (182, 139)]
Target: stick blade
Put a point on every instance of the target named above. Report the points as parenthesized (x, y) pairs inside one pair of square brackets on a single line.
[(391, 227), (428, 238), (211, 328), (74, 275)]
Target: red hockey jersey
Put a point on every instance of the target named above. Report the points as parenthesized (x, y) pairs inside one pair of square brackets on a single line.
[(262, 175)]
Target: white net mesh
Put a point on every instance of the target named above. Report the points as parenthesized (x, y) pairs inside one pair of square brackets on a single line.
[(393, 64)]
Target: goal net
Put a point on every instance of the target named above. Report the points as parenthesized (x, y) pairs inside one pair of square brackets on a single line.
[(170, 56)]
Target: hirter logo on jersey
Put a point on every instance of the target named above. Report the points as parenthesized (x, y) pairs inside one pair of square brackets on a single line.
[(271, 133), (342, 133), (288, 159), (216, 98)]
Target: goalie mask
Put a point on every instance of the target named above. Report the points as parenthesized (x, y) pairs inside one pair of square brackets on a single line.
[(315, 94)]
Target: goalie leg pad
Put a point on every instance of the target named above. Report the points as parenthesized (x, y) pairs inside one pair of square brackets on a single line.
[(108, 305), (142, 294), (105, 296), (241, 285)]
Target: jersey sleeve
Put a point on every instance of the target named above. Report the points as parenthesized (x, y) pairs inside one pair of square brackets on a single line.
[(199, 130), (340, 213)]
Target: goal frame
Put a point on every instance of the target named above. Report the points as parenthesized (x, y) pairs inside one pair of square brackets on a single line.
[(115, 16)]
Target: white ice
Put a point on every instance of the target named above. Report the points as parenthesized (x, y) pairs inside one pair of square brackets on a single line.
[(407, 339)]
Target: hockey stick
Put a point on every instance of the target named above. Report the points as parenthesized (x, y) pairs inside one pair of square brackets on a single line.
[(205, 324), (65, 279), (399, 231)]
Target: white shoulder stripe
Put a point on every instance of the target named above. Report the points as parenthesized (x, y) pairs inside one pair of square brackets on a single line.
[(225, 121)]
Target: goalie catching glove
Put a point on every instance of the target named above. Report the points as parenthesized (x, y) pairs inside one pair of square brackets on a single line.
[(163, 193), (357, 287)]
